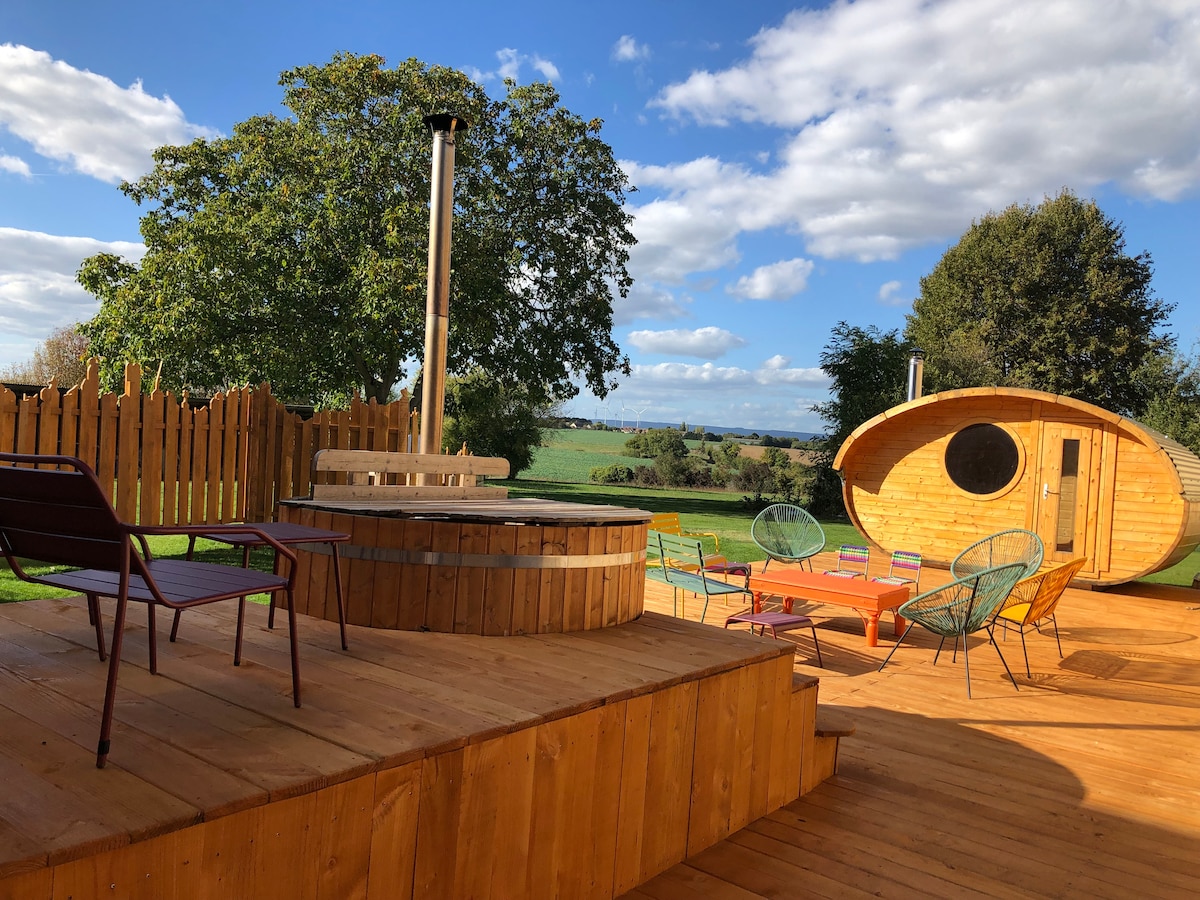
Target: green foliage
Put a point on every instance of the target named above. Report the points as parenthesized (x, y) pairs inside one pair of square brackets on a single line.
[(295, 250), (492, 419), (1173, 385), (657, 442), (868, 372), (729, 452), (756, 479), (1042, 297), (612, 474), (61, 357)]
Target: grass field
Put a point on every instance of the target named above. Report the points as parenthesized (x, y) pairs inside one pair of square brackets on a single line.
[(570, 454)]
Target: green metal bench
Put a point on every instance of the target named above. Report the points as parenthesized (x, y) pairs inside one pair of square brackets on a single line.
[(679, 562)]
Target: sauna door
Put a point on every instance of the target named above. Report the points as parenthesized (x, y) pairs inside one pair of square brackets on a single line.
[(1064, 513)]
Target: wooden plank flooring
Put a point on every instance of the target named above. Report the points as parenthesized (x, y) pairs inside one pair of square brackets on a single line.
[(203, 739), (1085, 783)]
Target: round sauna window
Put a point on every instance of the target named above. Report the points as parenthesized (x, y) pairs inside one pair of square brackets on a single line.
[(983, 459)]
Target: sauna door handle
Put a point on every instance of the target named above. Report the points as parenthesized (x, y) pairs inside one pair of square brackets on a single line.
[(1046, 492)]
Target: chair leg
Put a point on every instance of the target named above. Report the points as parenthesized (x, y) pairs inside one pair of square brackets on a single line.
[(966, 662), (817, 645), (93, 604), (939, 649), (1057, 639), (341, 601), (237, 641), (1025, 650), (175, 625), (152, 637), (703, 611), (110, 688), (1005, 662), (899, 640), (295, 647)]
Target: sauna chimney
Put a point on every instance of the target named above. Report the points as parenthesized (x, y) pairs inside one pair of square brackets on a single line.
[(437, 290), (916, 372)]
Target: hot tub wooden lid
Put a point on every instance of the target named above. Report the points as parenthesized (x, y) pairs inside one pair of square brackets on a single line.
[(522, 511)]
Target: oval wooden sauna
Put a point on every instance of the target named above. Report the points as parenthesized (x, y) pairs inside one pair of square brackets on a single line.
[(491, 567), (942, 471)]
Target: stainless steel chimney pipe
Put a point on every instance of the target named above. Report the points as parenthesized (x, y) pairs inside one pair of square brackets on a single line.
[(916, 373), (437, 290)]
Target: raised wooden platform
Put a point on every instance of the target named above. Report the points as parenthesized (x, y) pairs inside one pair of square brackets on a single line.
[(1082, 784), (421, 765)]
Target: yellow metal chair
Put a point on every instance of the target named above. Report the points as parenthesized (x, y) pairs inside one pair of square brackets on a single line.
[(1034, 599)]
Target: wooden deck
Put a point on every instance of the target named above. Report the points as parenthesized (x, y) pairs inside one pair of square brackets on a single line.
[(1085, 783), (421, 764)]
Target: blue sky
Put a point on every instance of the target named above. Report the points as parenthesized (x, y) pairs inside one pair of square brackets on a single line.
[(796, 164)]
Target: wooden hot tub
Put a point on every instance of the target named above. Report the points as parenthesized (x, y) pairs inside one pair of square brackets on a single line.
[(494, 566)]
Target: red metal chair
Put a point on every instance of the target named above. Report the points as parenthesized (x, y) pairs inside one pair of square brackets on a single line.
[(54, 512)]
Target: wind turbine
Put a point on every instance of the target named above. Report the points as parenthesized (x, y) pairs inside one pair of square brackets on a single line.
[(639, 416)]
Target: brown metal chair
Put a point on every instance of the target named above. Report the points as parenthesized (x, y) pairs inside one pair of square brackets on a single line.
[(54, 512)]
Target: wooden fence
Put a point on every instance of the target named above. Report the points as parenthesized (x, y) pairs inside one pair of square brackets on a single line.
[(171, 462)]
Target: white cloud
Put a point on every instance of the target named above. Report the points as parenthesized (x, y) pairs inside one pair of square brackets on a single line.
[(778, 281), (83, 120), (772, 397), (683, 376), (511, 60), (647, 300), (706, 343), (15, 165), (626, 49), (903, 120), (693, 227), (38, 292), (548, 70), (889, 294)]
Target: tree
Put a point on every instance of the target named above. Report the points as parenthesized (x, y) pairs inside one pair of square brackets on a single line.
[(61, 358), (493, 419), (295, 250), (1173, 385), (657, 442), (1042, 298), (868, 372)]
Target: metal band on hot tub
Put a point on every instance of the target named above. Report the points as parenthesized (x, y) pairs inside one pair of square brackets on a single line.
[(482, 560)]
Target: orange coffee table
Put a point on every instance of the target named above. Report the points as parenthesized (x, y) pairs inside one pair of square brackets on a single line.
[(867, 598)]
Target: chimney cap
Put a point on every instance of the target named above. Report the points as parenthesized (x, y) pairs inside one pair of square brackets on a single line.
[(445, 121)]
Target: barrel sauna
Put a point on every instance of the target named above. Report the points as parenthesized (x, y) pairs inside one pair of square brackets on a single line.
[(937, 473), (493, 567)]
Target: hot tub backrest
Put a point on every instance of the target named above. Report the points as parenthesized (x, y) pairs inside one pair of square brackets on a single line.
[(378, 475)]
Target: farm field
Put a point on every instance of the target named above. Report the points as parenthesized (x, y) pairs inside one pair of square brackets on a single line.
[(570, 454)]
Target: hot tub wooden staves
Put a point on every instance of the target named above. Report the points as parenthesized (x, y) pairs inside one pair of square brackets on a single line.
[(942, 471)]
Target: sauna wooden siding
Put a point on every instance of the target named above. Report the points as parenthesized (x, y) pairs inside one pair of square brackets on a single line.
[(1088, 481)]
